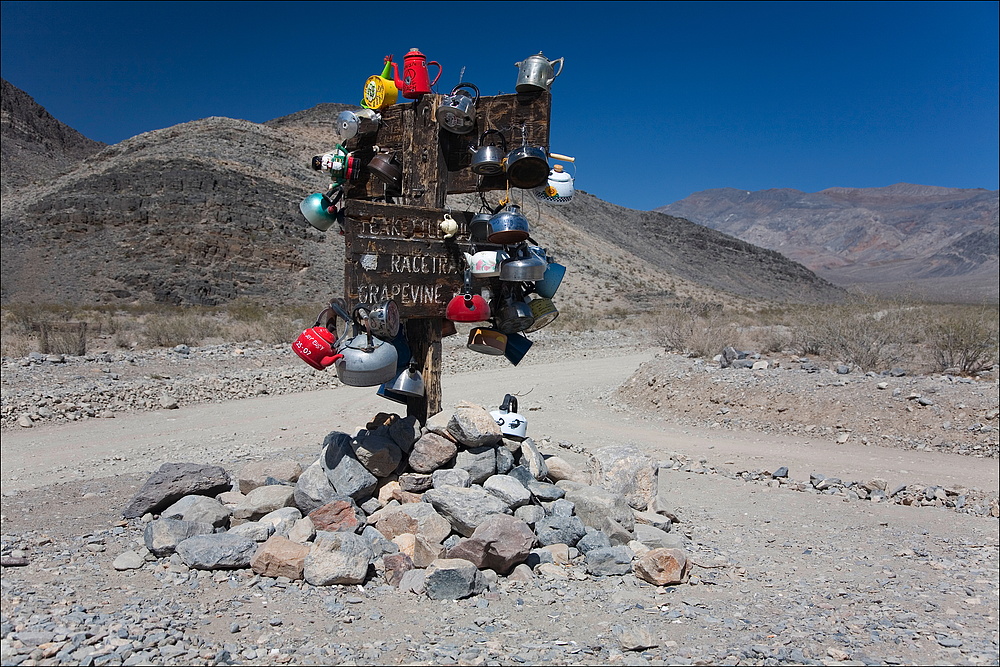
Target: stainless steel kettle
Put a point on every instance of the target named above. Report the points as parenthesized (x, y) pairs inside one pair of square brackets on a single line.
[(457, 111), (536, 73)]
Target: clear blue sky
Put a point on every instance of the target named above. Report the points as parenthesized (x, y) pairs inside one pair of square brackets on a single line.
[(658, 100)]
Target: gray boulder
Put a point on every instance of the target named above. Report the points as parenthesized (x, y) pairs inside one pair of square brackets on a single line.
[(508, 489), (499, 543), (257, 473), (378, 454), (404, 432), (452, 579), (254, 530), (313, 489), (601, 509), (172, 482), (338, 558), (430, 452), (560, 530), (626, 471), (607, 561), (654, 538), (465, 508), (162, 536), (480, 462), (473, 426), (346, 474), (533, 460), (200, 509), (450, 477), (594, 539), (264, 499), (220, 551), (530, 514)]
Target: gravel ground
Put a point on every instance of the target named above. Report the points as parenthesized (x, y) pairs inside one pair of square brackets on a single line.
[(782, 576)]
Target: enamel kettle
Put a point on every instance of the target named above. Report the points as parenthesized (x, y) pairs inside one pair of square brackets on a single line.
[(512, 424), (416, 81)]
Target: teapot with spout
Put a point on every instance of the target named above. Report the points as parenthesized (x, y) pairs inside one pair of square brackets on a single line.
[(416, 80), (536, 73)]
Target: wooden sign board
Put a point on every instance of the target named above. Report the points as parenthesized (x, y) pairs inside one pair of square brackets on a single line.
[(506, 113), (400, 253)]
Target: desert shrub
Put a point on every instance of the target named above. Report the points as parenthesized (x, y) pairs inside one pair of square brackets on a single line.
[(17, 344), (182, 328), (866, 332), (965, 340), (699, 329)]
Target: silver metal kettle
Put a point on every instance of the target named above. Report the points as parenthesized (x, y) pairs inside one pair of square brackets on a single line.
[(536, 73)]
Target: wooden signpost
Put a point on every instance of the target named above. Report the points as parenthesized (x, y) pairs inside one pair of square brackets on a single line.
[(397, 250)]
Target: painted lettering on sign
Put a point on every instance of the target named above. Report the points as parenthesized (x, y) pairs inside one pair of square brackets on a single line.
[(404, 228), (404, 294)]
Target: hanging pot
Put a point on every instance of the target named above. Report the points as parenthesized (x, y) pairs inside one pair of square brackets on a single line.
[(457, 111), (317, 211), (488, 159), (487, 341), (517, 346), (388, 169), (512, 424), (409, 382), (536, 73), (527, 167), (544, 312), (367, 361), (512, 313), (466, 306), (485, 263), (558, 189), (523, 266), (315, 345), (508, 226), (551, 279), (383, 320), (479, 227)]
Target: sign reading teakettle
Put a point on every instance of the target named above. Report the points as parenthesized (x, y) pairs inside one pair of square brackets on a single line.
[(409, 254)]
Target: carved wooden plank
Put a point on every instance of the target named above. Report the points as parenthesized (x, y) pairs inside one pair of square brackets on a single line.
[(507, 113), (399, 252)]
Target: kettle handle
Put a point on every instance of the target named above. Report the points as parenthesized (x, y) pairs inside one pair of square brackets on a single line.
[(555, 74), (508, 401), (467, 85), (503, 140), (434, 62)]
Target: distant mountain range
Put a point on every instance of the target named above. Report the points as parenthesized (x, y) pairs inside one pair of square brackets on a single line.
[(935, 242)]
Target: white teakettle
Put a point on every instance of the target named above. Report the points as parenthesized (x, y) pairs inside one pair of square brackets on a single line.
[(512, 424), (558, 189), (486, 263)]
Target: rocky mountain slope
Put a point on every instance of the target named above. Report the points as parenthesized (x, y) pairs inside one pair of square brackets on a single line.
[(207, 212), (35, 146), (942, 242)]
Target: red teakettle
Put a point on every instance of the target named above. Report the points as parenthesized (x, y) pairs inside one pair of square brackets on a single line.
[(315, 347), (416, 81)]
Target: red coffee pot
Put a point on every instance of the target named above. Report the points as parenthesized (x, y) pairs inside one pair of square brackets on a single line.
[(416, 81)]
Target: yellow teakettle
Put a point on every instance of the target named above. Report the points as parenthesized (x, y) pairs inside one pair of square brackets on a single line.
[(380, 90)]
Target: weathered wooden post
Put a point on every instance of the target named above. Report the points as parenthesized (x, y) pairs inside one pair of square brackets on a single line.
[(397, 251)]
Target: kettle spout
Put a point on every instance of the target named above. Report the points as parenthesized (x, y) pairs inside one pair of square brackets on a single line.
[(395, 77), (469, 259)]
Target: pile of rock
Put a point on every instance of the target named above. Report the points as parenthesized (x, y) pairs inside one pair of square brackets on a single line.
[(442, 509)]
